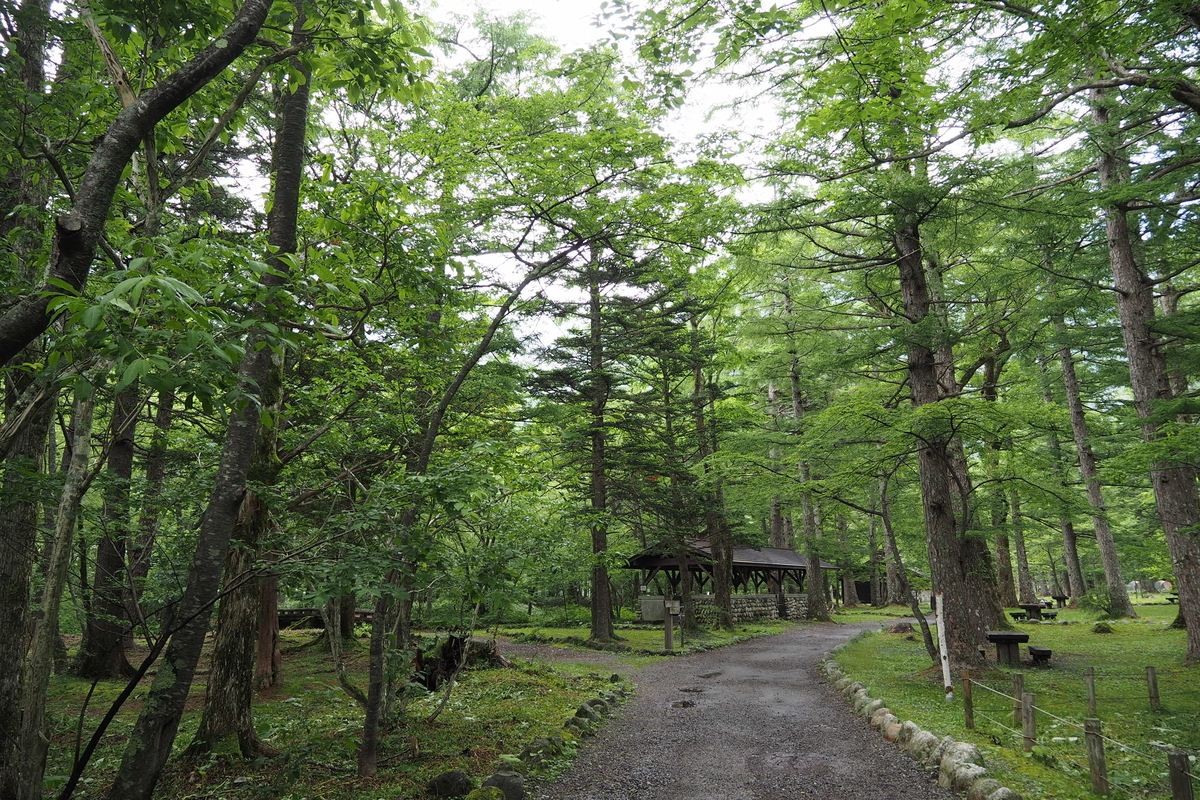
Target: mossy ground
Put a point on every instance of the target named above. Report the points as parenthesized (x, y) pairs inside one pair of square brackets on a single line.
[(895, 668), (491, 715)]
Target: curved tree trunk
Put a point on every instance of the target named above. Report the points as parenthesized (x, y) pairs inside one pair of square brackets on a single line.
[(78, 231), (154, 733), (903, 589), (35, 733)]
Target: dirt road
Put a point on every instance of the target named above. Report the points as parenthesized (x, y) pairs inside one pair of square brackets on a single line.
[(753, 721)]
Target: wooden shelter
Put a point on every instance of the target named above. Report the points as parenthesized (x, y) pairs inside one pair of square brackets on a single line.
[(753, 568)]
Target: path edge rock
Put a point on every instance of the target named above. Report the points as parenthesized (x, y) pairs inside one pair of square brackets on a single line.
[(960, 765)]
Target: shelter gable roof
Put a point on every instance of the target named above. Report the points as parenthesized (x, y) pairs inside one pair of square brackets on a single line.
[(746, 557)]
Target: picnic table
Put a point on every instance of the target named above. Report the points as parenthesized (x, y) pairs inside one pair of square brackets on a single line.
[(1007, 645), (1033, 610)]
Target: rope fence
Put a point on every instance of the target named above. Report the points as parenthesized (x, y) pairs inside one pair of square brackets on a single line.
[(1025, 714)]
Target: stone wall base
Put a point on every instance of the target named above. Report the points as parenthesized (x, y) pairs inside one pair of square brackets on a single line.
[(751, 607)]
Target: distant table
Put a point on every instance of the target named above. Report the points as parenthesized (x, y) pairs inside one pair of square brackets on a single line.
[(1061, 599), (1007, 649), (1034, 610)]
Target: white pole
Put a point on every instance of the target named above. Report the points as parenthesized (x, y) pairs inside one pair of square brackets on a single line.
[(941, 626)]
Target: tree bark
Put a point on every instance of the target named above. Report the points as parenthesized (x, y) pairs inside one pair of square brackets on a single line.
[(1024, 576), (601, 605), (1119, 602), (25, 187), (35, 733), (227, 709), (903, 589), (953, 567), (1065, 522), (1174, 482), (153, 734), (849, 589), (716, 524), (142, 548), (268, 659), (102, 650)]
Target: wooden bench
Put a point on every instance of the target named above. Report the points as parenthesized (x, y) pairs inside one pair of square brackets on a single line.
[(1050, 615), (1007, 650), (1018, 616), (1172, 598), (1040, 655)]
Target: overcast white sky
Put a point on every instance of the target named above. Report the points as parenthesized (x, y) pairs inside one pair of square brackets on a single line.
[(568, 22)]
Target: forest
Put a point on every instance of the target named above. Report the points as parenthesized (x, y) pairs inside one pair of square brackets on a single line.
[(316, 304)]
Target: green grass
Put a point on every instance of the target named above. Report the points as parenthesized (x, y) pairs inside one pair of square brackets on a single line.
[(648, 639), (871, 614), (895, 668)]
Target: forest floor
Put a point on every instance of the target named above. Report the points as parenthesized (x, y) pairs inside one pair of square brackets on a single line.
[(747, 721)]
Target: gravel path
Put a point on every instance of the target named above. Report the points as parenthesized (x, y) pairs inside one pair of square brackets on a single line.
[(754, 721)]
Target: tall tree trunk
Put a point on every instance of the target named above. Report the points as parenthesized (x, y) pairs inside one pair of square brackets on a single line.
[(268, 659), (997, 499), (818, 586), (878, 597), (35, 733), (716, 524), (227, 712), (601, 605), (153, 734), (1024, 576), (1065, 522), (903, 589), (102, 650), (1174, 482), (953, 566), (22, 189), (142, 547), (849, 589), (1119, 603)]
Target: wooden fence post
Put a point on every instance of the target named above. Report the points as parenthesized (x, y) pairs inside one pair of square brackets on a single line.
[(1152, 685), (1089, 677), (1018, 690), (968, 705), (1028, 722), (1181, 781), (1095, 749)]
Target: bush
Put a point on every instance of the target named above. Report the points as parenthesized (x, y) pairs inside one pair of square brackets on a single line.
[(1097, 600)]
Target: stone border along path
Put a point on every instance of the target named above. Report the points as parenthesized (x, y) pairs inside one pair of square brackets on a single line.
[(752, 721)]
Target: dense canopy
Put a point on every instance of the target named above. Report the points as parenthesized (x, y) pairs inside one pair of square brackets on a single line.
[(333, 306)]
